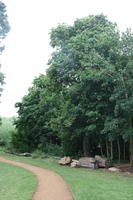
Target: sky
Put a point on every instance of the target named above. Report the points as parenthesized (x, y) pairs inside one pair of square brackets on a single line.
[(27, 48)]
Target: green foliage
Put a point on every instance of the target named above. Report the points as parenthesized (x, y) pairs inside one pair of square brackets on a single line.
[(6, 130), (48, 150), (84, 103), (77, 68), (37, 154), (20, 142), (54, 150), (35, 111)]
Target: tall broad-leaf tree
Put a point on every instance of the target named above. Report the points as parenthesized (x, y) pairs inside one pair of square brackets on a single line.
[(121, 122), (85, 99), (36, 111), (82, 52), (125, 87)]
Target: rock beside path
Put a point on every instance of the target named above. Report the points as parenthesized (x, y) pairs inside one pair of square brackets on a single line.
[(102, 162), (65, 160), (26, 154), (74, 163), (88, 162), (114, 169)]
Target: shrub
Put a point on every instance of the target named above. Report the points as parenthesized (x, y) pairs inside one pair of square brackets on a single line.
[(37, 154), (54, 150), (6, 130)]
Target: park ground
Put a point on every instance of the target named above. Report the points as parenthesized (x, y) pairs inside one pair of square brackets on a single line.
[(85, 184)]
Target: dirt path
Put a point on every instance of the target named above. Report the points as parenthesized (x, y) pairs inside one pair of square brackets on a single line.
[(50, 185)]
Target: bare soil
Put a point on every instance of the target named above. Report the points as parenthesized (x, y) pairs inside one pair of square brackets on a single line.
[(50, 185), (125, 167)]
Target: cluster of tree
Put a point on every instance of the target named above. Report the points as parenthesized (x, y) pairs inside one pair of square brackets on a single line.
[(84, 103), (6, 130)]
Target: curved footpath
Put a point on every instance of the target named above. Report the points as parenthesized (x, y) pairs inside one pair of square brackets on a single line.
[(50, 185)]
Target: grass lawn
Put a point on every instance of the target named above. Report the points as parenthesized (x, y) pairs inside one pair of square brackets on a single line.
[(16, 183), (86, 184)]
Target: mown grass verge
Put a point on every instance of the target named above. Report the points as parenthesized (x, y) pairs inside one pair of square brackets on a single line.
[(16, 183), (86, 184)]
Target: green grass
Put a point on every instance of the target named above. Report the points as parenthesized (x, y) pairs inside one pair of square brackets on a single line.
[(87, 184), (16, 183)]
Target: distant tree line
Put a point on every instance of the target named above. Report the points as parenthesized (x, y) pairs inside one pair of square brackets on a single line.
[(6, 130), (84, 103)]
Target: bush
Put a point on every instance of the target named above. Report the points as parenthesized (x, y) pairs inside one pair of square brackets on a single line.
[(48, 149), (37, 154), (54, 150), (6, 130)]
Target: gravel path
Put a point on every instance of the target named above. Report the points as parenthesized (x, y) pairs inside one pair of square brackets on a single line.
[(50, 185)]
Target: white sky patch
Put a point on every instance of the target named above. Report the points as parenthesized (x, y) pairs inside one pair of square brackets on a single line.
[(27, 45)]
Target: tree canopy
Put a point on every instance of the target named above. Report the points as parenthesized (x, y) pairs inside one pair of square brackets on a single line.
[(84, 102)]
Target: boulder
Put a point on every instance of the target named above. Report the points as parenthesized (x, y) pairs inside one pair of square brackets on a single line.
[(19, 154), (88, 162), (25, 154), (65, 160), (114, 169), (102, 162), (74, 163)]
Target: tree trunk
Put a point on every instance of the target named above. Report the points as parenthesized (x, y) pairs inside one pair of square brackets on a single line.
[(86, 146), (119, 150), (131, 150), (124, 150), (101, 148), (107, 148), (131, 145), (111, 143)]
